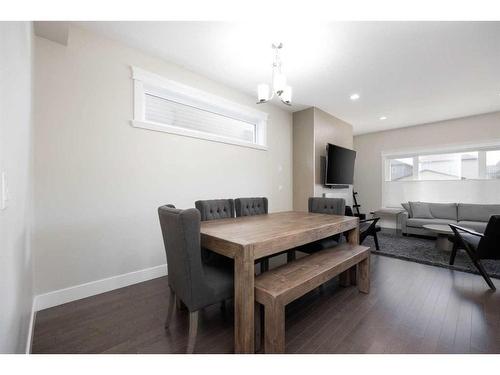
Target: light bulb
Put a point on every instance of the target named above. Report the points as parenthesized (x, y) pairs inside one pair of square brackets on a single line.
[(279, 82), (287, 95), (263, 92)]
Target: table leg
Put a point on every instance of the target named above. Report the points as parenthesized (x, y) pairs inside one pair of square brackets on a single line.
[(244, 302)]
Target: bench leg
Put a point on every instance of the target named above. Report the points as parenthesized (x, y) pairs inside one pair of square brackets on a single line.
[(274, 318), (363, 275)]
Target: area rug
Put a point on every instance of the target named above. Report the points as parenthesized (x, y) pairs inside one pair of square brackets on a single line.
[(422, 250)]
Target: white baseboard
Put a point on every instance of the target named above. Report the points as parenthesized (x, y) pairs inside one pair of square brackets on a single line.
[(31, 327), (58, 297)]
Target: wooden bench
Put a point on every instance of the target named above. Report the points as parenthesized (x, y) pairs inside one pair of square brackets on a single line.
[(276, 288)]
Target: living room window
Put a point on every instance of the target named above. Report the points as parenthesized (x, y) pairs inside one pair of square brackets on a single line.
[(475, 164), (468, 174), (171, 107)]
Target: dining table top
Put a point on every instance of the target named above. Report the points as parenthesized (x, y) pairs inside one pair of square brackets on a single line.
[(272, 232)]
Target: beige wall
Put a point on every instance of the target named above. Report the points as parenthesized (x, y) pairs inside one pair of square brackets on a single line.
[(369, 147), (99, 181), (16, 293), (312, 130)]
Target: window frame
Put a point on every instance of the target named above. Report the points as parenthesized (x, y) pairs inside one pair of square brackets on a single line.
[(150, 83)]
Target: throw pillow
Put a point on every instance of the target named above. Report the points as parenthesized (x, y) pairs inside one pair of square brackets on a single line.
[(420, 210), (407, 207)]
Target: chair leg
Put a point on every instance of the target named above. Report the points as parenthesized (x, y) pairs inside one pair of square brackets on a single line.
[(353, 274), (290, 256), (345, 278), (193, 330), (170, 308), (179, 304), (481, 269), (259, 326), (375, 239), (454, 252), (264, 265), (484, 274)]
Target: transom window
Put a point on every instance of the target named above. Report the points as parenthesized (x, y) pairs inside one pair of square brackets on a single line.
[(164, 105)]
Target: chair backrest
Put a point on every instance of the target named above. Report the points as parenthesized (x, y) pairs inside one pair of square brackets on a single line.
[(181, 237), (489, 246), (250, 206), (214, 209), (331, 206)]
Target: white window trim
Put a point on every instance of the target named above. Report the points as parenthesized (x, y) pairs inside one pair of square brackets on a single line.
[(146, 82)]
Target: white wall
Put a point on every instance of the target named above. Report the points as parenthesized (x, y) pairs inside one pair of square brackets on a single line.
[(16, 294), (99, 181), (463, 131)]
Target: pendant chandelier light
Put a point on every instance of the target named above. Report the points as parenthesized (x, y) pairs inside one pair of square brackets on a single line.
[(279, 86)]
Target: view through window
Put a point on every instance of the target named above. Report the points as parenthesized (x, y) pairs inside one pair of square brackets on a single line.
[(480, 164)]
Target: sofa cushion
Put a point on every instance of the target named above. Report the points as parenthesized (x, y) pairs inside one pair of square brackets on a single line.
[(478, 226), (443, 210), (477, 212), (418, 223), (420, 210), (407, 207)]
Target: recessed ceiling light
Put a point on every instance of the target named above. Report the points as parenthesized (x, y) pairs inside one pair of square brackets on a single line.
[(382, 118), (354, 97)]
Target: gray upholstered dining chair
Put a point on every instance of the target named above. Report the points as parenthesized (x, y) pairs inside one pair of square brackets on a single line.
[(215, 209), (257, 206), (330, 206), (251, 206), (196, 284)]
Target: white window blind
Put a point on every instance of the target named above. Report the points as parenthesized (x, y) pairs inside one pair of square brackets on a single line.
[(164, 105), (168, 112)]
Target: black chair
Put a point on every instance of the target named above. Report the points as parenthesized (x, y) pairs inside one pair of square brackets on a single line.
[(479, 246), (196, 284), (330, 206), (257, 206), (367, 227)]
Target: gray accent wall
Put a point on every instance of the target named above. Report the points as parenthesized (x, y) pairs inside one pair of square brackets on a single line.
[(312, 130)]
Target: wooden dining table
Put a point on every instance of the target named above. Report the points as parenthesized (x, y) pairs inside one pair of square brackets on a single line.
[(248, 238)]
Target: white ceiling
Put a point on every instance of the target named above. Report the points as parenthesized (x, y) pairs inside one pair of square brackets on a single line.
[(410, 72)]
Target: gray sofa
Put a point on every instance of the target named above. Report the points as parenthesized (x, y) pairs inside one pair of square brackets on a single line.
[(473, 216)]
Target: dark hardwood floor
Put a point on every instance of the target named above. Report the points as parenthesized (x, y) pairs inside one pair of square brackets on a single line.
[(412, 308)]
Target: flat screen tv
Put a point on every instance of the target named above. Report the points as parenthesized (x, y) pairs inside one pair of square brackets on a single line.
[(339, 165)]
